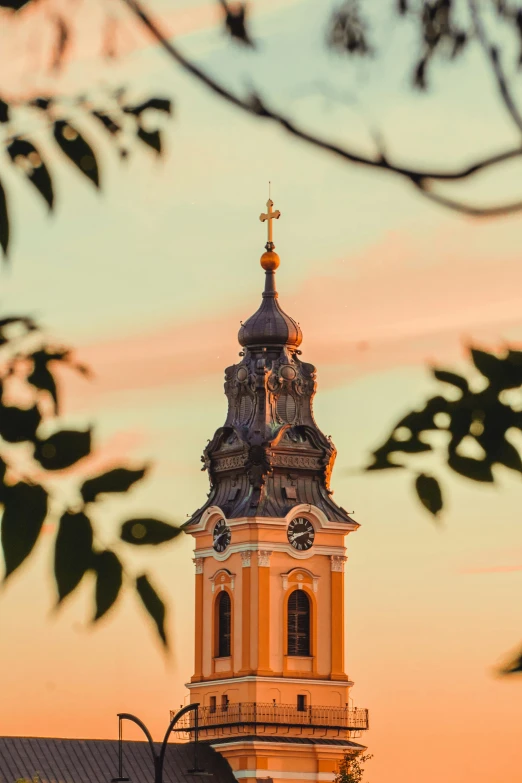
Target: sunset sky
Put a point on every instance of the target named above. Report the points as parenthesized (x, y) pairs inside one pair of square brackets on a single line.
[(150, 280)]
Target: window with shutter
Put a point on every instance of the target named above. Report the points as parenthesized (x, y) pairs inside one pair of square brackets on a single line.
[(298, 623), (224, 624)]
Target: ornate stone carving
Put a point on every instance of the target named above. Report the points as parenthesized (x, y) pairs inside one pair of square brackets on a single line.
[(338, 562), (198, 562), (245, 558), (228, 463), (296, 461), (263, 557), (270, 428)]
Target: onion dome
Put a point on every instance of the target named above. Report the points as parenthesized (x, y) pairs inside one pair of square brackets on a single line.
[(270, 325)]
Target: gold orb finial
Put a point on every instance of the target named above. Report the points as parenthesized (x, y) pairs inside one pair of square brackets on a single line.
[(270, 261)]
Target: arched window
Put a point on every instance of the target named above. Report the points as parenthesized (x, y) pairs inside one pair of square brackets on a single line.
[(224, 620), (298, 623)]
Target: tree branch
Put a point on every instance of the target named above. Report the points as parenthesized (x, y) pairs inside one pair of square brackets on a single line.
[(254, 105), (494, 58)]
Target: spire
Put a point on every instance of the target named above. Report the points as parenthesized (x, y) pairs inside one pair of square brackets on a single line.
[(270, 325), (270, 454)]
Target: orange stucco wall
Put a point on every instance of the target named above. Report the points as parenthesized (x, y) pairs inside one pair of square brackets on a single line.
[(259, 581)]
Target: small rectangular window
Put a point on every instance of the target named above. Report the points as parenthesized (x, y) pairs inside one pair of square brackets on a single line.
[(290, 493), (224, 703), (301, 703), (212, 704)]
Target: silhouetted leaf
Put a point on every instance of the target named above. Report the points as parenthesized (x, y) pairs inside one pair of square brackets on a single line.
[(151, 138), (14, 5), (72, 143), (18, 424), (41, 377), (461, 420), (108, 581), (41, 103), (29, 324), (348, 29), (459, 44), (419, 78), (73, 552), (160, 104), (235, 22), (486, 363), (62, 39), (452, 378), (27, 158), (148, 531), (429, 492), (62, 449), (514, 665), (25, 510), (107, 122), (478, 470), (4, 221), (153, 604), (4, 111), (419, 421), (3, 488), (504, 453), (117, 480)]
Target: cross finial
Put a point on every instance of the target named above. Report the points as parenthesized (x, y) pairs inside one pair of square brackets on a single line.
[(269, 216)]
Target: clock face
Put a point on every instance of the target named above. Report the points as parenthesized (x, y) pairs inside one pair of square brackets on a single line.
[(221, 536), (301, 533)]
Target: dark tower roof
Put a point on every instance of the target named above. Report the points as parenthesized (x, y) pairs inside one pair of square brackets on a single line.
[(270, 455), (270, 325)]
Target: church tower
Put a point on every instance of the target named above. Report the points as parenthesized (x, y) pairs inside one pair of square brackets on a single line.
[(269, 668)]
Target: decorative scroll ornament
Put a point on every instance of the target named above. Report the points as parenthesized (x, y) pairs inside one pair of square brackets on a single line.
[(198, 562), (338, 562), (245, 558)]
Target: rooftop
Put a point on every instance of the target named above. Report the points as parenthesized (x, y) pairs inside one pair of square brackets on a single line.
[(96, 761)]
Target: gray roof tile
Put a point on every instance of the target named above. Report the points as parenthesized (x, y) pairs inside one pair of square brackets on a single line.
[(96, 761)]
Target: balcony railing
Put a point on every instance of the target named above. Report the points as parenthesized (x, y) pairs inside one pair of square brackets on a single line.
[(256, 713)]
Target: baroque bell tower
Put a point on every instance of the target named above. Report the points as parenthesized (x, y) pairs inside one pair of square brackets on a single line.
[(269, 671)]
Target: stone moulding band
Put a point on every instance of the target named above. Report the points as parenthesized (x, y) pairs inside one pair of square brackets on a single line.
[(254, 546), (261, 774), (255, 678)]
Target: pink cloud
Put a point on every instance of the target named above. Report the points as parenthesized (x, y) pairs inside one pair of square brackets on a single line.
[(402, 302), (492, 570), (90, 25)]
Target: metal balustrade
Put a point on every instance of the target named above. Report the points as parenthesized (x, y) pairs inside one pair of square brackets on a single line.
[(257, 713)]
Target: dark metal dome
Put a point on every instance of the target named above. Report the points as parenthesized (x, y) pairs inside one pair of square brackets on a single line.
[(270, 326)]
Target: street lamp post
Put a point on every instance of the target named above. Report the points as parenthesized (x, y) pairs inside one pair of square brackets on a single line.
[(158, 759)]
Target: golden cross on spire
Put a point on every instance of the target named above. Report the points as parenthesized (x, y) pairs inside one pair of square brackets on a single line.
[(269, 216)]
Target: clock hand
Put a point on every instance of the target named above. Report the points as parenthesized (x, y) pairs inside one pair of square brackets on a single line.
[(220, 535), (304, 533)]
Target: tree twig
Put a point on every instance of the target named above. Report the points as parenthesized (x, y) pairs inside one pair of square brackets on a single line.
[(253, 105), (494, 58)]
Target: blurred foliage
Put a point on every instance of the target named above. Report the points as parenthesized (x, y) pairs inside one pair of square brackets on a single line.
[(34, 450), (476, 423), (119, 118), (473, 423)]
